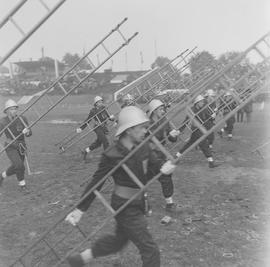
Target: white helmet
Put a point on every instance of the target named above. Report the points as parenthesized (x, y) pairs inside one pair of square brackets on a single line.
[(153, 105), (210, 92), (97, 98), (198, 99), (128, 97), (129, 117), (9, 104), (228, 94)]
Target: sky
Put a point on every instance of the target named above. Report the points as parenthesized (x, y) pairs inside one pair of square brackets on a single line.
[(166, 28)]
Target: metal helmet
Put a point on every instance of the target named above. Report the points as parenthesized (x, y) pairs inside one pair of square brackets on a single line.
[(210, 92), (9, 104), (129, 117), (128, 97), (198, 99), (228, 94), (153, 105), (97, 98)]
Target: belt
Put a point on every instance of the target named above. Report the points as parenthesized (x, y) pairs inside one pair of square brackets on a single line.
[(127, 192)]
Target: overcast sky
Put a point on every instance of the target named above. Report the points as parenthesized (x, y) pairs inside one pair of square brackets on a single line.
[(165, 28)]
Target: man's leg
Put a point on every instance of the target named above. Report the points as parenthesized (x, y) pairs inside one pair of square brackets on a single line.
[(204, 146), (167, 191), (194, 136), (97, 143), (103, 138), (17, 166), (211, 138), (134, 225), (106, 245)]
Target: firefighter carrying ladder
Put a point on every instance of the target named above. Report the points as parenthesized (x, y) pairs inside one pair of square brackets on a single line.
[(145, 87), (58, 84), (137, 89), (245, 89), (25, 35)]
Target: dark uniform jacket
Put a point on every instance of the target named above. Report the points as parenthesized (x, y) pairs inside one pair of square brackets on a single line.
[(227, 109), (203, 115), (163, 133), (100, 115), (16, 128), (110, 158), (157, 158)]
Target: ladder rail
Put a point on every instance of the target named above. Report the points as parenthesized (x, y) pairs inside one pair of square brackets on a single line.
[(170, 116), (73, 88), (175, 161), (63, 144), (66, 73), (71, 136), (12, 12), (66, 145), (34, 29), (73, 67)]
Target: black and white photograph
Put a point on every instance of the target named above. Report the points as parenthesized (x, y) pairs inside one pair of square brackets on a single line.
[(134, 133)]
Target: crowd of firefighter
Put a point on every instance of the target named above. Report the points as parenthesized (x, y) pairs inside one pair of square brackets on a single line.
[(133, 125)]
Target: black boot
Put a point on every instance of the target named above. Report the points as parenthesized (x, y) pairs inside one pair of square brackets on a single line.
[(84, 154), (212, 164), (75, 260), (1, 179)]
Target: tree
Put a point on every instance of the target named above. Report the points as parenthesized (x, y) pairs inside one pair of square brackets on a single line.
[(202, 60), (237, 70), (70, 59), (160, 62)]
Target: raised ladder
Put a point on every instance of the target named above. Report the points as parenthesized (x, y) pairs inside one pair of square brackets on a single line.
[(47, 250), (26, 34), (145, 88), (58, 83)]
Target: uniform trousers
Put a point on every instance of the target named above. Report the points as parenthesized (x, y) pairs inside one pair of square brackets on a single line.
[(131, 225), (17, 162), (101, 139)]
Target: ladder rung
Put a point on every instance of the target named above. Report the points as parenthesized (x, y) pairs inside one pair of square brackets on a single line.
[(162, 148), (62, 88), (12, 12), (17, 26), (105, 48), (104, 202), (124, 38), (260, 52), (195, 120), (77, 75), (91, 62), (23, 122), (80, 230), (52, 249), (132, 176), (266, 43), (45, 6)]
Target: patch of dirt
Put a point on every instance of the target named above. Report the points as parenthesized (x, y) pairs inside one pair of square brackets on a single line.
[(223, 217)]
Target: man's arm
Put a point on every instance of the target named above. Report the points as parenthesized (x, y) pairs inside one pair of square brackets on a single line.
[(104, 167), (29, 132), (87, 120)]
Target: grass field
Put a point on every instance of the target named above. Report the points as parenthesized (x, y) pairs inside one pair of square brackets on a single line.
[(225, 212)]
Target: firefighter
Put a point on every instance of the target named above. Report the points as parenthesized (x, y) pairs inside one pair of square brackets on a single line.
[(204, 115), (156, 112), (227, 106), (100, 116), (131, 224), (15, 151)]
